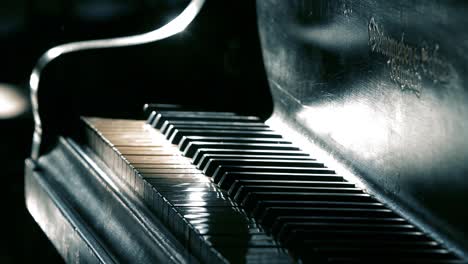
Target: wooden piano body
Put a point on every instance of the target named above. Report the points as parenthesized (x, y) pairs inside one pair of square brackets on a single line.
[(375, 90)]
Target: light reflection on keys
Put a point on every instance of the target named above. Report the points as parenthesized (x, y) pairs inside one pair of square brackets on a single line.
[(200, 214)]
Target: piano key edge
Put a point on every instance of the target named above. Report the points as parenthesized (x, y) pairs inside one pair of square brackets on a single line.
[(78, 221)]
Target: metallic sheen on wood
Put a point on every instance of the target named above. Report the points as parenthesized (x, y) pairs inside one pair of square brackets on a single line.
[(381, 86)]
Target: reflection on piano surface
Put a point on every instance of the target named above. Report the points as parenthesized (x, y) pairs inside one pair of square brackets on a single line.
[(341, 172)]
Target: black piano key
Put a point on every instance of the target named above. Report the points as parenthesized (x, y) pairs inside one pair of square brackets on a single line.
[(201, 116), (252, 198), (244, 190), (171, 132), (187, 139), (287, 228), (373, 244), (272, 213), (201, 123), (367, 251), (209, 152), (297, 236), (155, 107), (184, 112), (163, 116), (193, 147), (214, 164), (207, 157), (229, 178), (238, 183), (222, 169), (169, 127), (207, 123), (179, 133), (280, 221)]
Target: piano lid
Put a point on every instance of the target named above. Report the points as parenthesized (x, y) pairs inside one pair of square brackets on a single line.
[(382, 86)]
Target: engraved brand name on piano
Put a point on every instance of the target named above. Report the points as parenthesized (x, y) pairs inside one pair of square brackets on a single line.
[(409, 66)]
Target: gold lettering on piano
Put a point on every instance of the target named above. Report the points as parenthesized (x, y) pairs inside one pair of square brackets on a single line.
[(409, 66)]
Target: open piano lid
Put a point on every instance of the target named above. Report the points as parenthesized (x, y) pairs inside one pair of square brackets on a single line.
[(381, 85)]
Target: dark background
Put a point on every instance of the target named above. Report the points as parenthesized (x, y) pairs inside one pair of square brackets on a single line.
[(216, 64)]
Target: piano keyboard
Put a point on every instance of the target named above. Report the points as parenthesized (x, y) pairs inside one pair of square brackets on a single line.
[(233, 190)]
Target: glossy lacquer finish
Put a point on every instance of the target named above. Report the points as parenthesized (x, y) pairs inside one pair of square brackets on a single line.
[(381, 85)]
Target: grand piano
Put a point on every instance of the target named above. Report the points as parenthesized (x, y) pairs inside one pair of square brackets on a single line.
[(363, 158)]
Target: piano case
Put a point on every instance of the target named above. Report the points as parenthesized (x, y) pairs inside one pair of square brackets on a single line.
[(362, 161)]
